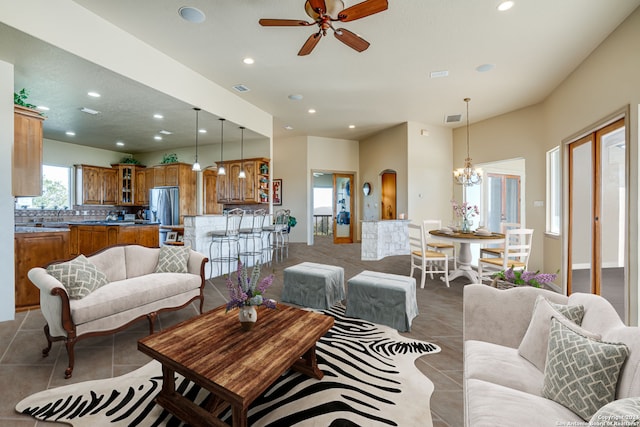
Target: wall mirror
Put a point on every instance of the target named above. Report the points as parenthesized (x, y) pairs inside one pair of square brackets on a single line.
[(366, 188)]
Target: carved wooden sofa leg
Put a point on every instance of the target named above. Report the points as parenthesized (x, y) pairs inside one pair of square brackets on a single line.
[(69, 343), (45, 351), (151, 317)]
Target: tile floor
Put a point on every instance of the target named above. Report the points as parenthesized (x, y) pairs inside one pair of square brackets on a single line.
[(24, 371)]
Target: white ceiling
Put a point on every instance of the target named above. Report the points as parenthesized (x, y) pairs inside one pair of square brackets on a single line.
[(534, 47)]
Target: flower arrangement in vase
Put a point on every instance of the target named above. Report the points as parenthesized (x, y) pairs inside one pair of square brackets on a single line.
[(247, 293), (523, 278), (465, 212)]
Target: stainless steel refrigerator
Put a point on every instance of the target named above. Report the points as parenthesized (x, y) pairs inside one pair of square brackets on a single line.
[(164, 206)]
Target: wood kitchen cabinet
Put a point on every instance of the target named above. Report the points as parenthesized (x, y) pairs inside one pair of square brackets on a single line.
[(132, 188), (252, 189), (141, 192), (209, 192), (27, 152), (96, 185), (35, 249), (90, 238)]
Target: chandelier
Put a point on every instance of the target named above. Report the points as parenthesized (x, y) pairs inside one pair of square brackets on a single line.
[(467, 175)]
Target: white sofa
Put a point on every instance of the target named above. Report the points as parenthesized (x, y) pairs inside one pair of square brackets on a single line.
[(501, 388), (134, 291)]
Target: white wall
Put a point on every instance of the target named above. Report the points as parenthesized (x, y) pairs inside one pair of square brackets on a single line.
[(430, 165), (290, 165), (7, 289)]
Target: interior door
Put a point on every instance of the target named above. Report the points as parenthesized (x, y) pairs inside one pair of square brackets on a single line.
[(597, 216), (342, 208), (388, 202), (503, 195)]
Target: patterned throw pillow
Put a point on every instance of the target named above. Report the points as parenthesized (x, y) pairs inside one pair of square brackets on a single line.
[(173, 259), (581, 373), (621, 412), (534, 343), (79, 276)]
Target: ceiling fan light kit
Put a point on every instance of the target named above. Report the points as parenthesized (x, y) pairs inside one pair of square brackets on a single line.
[(324, 13)]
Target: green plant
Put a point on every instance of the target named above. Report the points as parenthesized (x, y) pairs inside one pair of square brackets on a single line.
[(20, 98), (130, 161), (170, 158), (292, 221)]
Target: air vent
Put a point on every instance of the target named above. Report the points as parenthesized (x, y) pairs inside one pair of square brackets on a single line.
[(453, 118), (241, 88)]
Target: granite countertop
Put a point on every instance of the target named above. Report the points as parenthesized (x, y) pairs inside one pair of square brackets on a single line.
[(119, 223), (40, 229)]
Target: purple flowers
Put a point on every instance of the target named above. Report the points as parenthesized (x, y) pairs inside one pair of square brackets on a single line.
[(465, 210), (525, 277), (248, 291)]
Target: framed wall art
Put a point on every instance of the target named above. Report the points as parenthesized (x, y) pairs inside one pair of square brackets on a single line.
[(277, 192)]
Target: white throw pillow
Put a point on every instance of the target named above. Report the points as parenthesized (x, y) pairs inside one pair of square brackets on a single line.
[(79, 276), (173, 259), (534, 343)]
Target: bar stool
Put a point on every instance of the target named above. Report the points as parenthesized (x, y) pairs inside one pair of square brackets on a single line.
[(274, 235), (226, 242), (251, 238)]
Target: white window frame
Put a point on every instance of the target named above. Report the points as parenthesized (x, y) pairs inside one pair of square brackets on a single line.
[(554, 183)]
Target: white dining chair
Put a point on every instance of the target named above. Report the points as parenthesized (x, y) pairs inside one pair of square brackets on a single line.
[(516, 253), (435, 244), (423, 259), (497, 251)]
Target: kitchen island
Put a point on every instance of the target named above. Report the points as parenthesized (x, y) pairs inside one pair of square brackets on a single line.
[(197, 234), (35, 247), (383, 238), (87, 237)]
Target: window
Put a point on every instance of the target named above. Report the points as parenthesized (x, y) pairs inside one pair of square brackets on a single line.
[(553, 191), (55, 190)]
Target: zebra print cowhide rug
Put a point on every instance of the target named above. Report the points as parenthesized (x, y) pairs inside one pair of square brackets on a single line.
[(370, 380)]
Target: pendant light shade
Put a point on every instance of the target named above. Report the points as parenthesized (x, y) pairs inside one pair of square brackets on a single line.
[(196, 165), (221, 170), (468, 175), (242, 175)]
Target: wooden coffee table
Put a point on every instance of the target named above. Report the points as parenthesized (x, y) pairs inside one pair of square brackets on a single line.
[(234, 366)]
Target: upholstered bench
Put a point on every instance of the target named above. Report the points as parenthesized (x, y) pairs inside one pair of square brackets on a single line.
[(313, 285), (383, 298)]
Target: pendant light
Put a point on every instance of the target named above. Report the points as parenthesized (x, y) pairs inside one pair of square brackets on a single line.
[(242, 175), (196, 165), (221, 170), (467, 176)]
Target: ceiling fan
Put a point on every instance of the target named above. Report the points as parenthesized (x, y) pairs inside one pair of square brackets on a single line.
[(324, 13)]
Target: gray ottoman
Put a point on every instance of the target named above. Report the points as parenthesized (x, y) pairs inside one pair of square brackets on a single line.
[(313, 285), (388, 299)]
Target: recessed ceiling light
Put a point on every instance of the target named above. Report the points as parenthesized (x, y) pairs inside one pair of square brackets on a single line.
[(158, 116), (437, 74), (202, 130), (295, 97), (505, 5), (120, 144), (248, 61), (89, 111), (191, 14), (484, 68), (93, 94), (312, 111), (157, 138), (165, 132), (42, 107), (70, 133), (288, 127), (352, 126)]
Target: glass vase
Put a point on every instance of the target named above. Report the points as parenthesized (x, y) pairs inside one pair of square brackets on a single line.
[(466, 225)]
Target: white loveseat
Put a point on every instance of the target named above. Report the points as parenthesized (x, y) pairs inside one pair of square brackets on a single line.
[(134, 290), (502, 388)]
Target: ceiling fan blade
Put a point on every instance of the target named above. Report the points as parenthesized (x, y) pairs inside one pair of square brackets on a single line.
[(350, 39), (283, 22), (317, 5), (311, 42), (360, 10)]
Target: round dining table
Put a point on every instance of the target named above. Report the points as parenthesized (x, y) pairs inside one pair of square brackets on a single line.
[(464, 254)]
